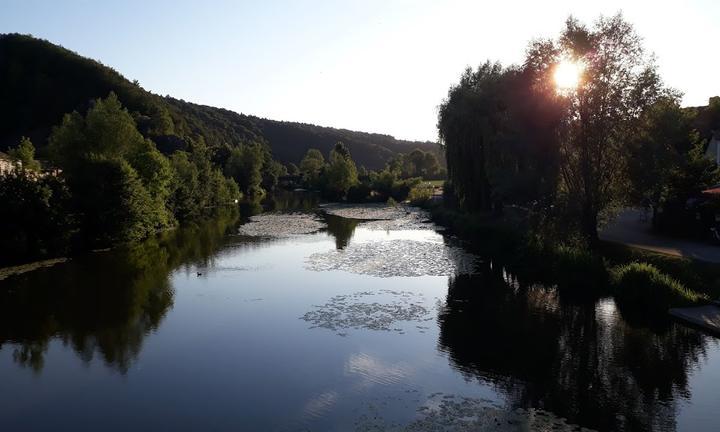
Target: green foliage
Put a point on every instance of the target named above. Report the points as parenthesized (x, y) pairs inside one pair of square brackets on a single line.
[(272, 171), (107, 131), (577, 268), (692, 174), (340, 173), (114, 205), (245, 165), (660, 143), (417, 163), (25, 154), (34, 216), (118, 180), (185, 200), (420, 194), (293, 169), (468, 121), (645, 285), (43, 81), (311, 166)]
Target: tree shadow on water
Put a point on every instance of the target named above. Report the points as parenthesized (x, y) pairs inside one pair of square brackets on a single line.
[(580, 360), (341, 228), (103, 304)]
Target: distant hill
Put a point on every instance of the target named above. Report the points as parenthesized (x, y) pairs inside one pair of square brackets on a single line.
[(41, 81)]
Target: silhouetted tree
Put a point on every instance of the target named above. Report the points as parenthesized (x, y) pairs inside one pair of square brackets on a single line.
[(618, 84), (25, 154)]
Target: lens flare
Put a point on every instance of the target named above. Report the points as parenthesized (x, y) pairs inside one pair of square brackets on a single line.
[(567, 75)]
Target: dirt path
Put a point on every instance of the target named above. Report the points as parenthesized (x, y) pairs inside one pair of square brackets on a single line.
[(632, 229)]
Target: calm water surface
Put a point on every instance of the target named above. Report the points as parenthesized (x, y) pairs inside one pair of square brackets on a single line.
[(205, 329)]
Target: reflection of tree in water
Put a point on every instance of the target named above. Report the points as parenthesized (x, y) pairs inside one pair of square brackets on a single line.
[(341, 228), (291, 201), (580, 361), (102, 304)]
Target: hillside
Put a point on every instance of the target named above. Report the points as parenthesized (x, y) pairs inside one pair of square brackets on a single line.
[(42, 81)]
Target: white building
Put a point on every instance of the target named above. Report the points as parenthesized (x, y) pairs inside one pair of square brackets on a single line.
[(6, 163), (713, 148)]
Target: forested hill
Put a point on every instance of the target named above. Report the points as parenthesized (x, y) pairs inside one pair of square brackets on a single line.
[(41, 81)]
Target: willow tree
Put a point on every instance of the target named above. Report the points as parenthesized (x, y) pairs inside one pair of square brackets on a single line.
[(467, 123), (616, 83)]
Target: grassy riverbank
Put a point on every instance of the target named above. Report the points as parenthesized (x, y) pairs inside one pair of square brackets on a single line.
[(630, 275)]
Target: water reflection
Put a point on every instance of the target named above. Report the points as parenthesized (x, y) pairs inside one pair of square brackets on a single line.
[(341, 228), (287, 201), (580, 361), (103, 305)]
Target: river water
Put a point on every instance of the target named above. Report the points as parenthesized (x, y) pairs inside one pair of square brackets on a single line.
[(299, 320)]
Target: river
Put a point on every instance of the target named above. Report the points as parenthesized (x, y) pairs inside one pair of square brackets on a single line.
[(299, 320)]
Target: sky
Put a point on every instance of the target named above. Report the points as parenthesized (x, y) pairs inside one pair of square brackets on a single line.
[(372, 65)]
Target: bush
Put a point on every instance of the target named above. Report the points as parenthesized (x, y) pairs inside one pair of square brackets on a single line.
[(359, 193), (575, 267), (641, 283), (35, 221), (420, 194), (401, 188)]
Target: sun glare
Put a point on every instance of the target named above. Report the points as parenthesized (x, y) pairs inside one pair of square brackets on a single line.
[(567, 75)]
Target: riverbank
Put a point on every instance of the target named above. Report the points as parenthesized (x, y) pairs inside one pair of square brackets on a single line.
[(629, 274), (6, 272)]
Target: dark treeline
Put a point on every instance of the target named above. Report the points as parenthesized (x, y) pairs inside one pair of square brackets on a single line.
[(106, 184), (41, 82), (339, 178), (574, 156), (120, 163)]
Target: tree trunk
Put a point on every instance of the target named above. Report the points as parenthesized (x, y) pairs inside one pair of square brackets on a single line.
[(589, 222)]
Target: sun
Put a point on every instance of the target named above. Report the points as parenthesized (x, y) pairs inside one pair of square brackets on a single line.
[(567, 75)]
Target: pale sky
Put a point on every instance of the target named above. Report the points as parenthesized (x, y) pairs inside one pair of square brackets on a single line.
[(372, 65)]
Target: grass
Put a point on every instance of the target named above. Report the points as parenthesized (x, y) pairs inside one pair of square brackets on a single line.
[(641, 283), (434, 183), (698, 276), (634, 276)]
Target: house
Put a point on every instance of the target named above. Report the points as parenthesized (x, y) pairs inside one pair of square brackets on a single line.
[(713, 148), (6, 163)]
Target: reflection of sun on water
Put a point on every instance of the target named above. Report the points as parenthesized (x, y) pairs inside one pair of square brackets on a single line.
[(567, 75)]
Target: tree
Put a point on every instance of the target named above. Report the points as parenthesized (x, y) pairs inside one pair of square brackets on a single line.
[(311, 165), (660, 144), (35, 217), (272, 172), (115, 206), (468, 121), (245, 165), (184, 199), (340, 173), (25, 154), (618, 84), (118, 179), (293, 169), (107, 130)]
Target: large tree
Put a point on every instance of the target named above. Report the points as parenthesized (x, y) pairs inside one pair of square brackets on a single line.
[(467, 125), (618, 83), (340, 172)]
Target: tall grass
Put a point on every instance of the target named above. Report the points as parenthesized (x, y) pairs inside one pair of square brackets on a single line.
[(640, 283)]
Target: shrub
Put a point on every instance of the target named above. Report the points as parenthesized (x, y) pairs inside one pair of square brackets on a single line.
[(575, 267), (359, 193), (420, 194), (642, 283)]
